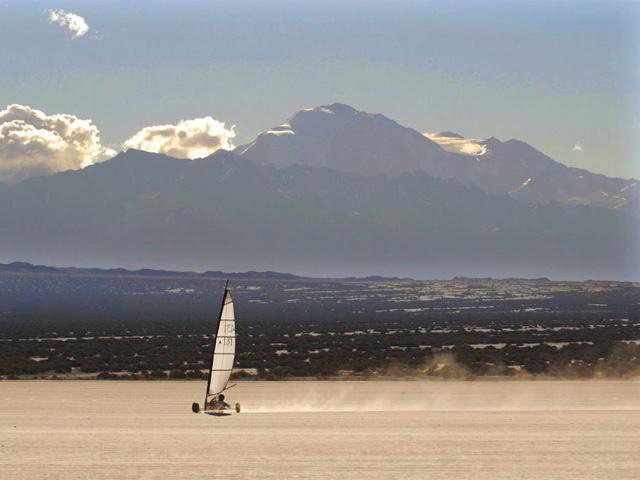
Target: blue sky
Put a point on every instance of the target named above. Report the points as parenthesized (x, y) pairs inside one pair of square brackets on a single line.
[(555, 74)]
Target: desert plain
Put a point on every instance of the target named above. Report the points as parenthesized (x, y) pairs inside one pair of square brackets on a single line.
[(313, 429)]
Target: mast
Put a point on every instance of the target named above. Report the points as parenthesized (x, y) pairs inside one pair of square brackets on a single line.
[(224, 298)]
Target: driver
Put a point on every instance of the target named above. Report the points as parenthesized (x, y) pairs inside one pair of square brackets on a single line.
[(219, 402)]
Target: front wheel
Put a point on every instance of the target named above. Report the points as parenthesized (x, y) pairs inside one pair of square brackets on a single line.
[(195, 408), (237, 408)]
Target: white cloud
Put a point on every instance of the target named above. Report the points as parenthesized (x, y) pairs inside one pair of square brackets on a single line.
[(74, 22), (33, 143), (577, 148), (195, 138)]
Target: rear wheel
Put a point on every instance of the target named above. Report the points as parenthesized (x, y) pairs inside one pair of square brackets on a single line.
[(195, 408), (237, 407)]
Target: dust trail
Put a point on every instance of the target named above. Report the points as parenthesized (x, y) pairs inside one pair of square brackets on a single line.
[(433, 396), (347, 397)]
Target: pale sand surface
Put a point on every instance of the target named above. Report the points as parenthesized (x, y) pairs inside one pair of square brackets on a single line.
[(427, 430)]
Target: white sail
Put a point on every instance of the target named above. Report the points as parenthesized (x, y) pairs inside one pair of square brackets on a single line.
[(224, 350)]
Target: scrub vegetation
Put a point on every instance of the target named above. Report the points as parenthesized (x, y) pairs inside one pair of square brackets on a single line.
[(81, 326)]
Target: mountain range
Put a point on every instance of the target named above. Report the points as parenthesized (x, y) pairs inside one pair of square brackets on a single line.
[(340, 137), (332, 194)]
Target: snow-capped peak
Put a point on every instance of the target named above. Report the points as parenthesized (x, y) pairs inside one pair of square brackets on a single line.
[(341, 137), (325, 120)]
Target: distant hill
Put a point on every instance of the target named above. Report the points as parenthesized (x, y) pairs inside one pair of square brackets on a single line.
[(235, 214), (538, 280), (25, 267)]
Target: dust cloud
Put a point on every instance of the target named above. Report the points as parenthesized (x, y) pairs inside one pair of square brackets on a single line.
[(437, 396)]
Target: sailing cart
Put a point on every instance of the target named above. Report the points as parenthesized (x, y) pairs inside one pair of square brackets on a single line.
[(224, 352)]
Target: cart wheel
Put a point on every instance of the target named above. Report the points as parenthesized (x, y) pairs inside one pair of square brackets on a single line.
[(238, 407), (195, 407)]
